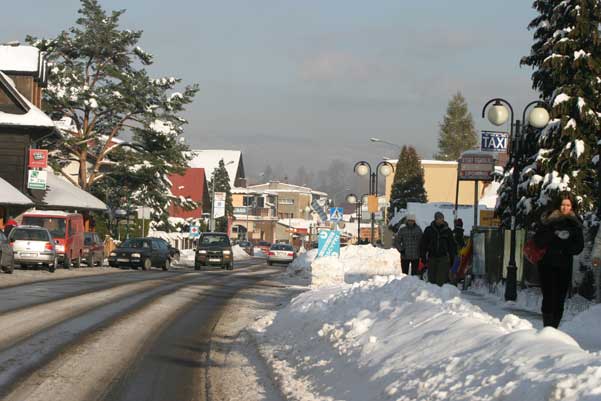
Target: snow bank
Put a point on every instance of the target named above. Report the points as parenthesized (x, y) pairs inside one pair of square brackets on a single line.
[(186, 257), (239, 253), (356, 263), (403, 339)]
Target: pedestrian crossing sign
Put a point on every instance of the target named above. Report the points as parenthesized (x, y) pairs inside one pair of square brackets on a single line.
[(336, 214)]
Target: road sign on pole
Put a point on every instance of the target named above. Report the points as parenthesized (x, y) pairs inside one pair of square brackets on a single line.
[(494, 141), (476, 166), (194, 231), (328, 243), (336, 214), (219, 210)]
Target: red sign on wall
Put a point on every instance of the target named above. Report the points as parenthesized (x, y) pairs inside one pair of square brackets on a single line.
[(38, 158)]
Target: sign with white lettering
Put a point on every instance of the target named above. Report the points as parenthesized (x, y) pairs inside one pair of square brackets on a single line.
[(493, 141), (475, 166)]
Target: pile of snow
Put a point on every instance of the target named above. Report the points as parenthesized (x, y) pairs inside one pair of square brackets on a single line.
[(239, 253), (186, 257), (399, 338), (356, 263)]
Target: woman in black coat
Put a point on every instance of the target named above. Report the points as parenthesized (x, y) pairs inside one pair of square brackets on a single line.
[(561, 233)]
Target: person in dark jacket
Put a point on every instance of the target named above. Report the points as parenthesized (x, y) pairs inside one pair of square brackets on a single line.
[(560, 232), (438, 250), (458, 233), (407, 242)]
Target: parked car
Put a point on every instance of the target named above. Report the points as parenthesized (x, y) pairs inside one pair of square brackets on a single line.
[(93, 249), (280, 253), (261, 247), (247, 246), (33, 246), (214, 249), (66, 230), (141, 252), (7, 261)]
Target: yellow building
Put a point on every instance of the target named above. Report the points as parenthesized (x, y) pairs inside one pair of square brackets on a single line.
[(440, 180)]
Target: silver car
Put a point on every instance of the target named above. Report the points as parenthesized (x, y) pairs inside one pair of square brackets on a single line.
[(33, 245), (7, 262), (280, 253)]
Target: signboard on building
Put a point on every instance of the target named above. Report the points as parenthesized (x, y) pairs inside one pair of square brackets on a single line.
[(37, 179), (476, 166), (38, 158), (494, 141), (219, 204), (328, 243), (488, 219)]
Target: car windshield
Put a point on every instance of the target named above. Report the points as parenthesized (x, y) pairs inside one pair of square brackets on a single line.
[(282, 247), (56, 225), (135, 243), (88, 239), (244, 243), (215, 240), (20, 234)]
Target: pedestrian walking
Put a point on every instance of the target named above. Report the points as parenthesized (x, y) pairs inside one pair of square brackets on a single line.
[(458, 233), (560, 233), (438, 249), (407, 242)]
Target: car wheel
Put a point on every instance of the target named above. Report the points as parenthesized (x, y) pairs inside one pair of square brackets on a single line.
[(10, 268), (176, 257), (147, 264), (77, 263), (197, 266), (167, 264), (52, 266), (67, 262), (91, 262), (270, 263), (231, 266)]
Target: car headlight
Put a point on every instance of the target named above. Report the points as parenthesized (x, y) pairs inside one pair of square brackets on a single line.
[(227, 252), (113, 254), (202, 252), (135, 255)]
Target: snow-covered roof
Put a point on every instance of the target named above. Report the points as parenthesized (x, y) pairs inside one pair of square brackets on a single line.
[(285, 187), (10, 195), (34, 117), (238, 190), (53, 212), (62, 194), (19, 58), (209, 160)]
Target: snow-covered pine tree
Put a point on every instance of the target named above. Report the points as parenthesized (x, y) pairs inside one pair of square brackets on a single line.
[(408, 182), (566, 58), (457, 132), (221, 179), (99, 84)]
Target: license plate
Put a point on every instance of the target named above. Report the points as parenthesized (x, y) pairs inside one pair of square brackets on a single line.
[(122, 260), (28, 254), (214, 260)]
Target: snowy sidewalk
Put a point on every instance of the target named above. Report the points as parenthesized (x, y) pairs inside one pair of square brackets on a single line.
[(399, 338)]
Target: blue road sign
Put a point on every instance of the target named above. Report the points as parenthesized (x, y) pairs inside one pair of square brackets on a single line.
[(319, 210), (328, 243), (493, 141), (336, 214)]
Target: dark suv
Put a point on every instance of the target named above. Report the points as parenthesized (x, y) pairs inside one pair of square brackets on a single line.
[(141, 252), (214, 249)]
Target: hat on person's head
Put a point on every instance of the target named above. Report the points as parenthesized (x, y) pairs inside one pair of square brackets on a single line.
[(438, 215), (458, 223), (410, 216)]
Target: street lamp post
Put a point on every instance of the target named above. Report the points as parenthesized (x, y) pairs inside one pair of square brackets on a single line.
[(353, 200), (538, 118), (376, 140), (363, 168)]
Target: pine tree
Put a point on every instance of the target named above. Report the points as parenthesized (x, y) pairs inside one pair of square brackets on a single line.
[(566, 57), (221, 179), (408, 183), (99, 83), (457, 132)]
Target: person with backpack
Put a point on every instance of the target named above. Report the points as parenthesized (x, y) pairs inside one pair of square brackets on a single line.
[(560, 233), (438, 250), (407, 242)]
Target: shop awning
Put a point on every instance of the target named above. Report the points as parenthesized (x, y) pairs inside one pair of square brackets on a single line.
[(10, 195)]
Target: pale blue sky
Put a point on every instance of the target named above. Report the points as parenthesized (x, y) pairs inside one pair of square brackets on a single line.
[(302, 82)]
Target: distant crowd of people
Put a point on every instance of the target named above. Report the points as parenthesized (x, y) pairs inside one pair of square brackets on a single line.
[(559, 236)]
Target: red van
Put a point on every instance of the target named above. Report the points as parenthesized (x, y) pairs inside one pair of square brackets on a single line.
[(67, 231)]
